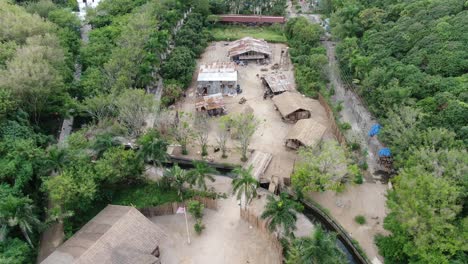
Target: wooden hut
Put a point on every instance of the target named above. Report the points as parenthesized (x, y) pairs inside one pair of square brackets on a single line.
[(118, 234), (294, 106), (249, 49), (305, 133)]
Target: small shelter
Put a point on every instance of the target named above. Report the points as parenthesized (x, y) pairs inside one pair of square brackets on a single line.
[(212, 104), (249, 48), (259, 161), (217, 77), (294, 106), (277, 83), (118, 234), (305, 133)]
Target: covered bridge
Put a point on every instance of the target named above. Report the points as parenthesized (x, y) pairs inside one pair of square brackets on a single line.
[(118, 234), (305, 133), (249, 48), (251, 19)]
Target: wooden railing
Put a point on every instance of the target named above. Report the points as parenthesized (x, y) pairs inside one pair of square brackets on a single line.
[(331, 118)]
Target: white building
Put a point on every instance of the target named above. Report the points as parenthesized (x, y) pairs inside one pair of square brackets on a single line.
[(217, 77)]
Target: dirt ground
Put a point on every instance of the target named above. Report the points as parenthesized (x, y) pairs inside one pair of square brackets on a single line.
[(367, 199), (272, 130), (227, 238)]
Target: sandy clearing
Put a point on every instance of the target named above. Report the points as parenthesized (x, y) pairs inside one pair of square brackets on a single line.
[(227, 238)]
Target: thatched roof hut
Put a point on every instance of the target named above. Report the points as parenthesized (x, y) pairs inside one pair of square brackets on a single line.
[(118, 234), (306, 132), (294, 106)]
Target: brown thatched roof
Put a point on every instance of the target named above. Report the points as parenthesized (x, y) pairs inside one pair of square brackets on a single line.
[(307, 131), (118, 234), (290, 102)]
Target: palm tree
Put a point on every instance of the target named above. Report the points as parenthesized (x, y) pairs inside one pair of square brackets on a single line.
[(153, 148), (281, 214), (244, 184), (320, 247), (198, 174), (57, 159), (23, 218), (104, 142), (176, 177)]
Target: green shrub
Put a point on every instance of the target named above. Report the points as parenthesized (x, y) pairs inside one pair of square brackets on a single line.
[(195, 208), (345, 126), (360, 219), (354, 146), (363, 165), (199, 226), (358, 179)]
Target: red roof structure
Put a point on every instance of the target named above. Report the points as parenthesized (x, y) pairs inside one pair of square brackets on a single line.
[(251, 19)]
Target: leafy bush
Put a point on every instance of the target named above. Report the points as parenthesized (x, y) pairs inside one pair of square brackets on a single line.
[(195, 208), (199, 226), (354, 146), (360, 219), (345, 126)]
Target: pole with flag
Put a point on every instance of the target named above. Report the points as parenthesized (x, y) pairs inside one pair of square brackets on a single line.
[(182, 210)]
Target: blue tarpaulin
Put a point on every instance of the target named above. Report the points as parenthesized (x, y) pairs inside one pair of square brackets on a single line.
[(375, 129), (385, 152)]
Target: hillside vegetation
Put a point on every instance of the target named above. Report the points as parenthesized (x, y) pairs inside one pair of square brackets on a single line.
[(409, 61)]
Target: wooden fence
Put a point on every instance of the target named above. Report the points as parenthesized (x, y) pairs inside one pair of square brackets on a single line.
[(171, 208), (261, 225), (331, 118)]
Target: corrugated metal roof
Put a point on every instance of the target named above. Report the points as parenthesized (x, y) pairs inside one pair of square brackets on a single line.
[(278, 82), (217, 71), (251, 19), (213, 101), (247, 44)]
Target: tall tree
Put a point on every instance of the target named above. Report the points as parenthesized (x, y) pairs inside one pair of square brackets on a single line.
[(200, 173), (318, 248), (245, 126), (281, 214), (176, 177), (224, 127), (153, 148), (321, 168), (244, 185), (201, 128)]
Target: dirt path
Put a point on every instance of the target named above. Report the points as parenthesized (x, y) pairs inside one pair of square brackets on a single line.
[(369, 198), (354, 112)]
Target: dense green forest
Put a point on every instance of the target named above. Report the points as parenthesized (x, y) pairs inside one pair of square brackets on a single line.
[(409, 61), (258, 7), (38, 89)]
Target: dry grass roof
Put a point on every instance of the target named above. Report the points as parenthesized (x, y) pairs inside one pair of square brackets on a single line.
[(118, 234), (290, 102), (278, 82), (307, 131), (247, 44)]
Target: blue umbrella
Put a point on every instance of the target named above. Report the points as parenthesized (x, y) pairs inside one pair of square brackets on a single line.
[(385, 152), (375, 129)]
